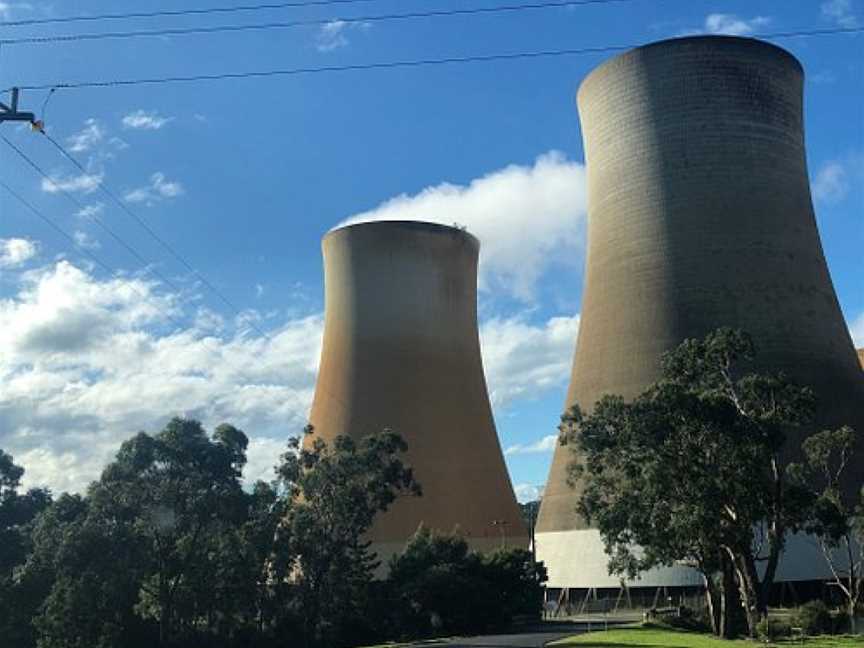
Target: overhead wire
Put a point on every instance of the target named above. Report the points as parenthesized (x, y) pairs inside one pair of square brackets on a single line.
[(113, 272), (214, 29), (53, 225), (478, 58), (153, 234), (200, 11), (147, 268)]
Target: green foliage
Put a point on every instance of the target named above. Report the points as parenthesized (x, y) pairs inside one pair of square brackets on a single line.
[(166, 549), (769, 628), (837, 523), (438, 584), (813, 618), (688, 619), (336, 490), (17, 513), (440, 587), (702, 447)]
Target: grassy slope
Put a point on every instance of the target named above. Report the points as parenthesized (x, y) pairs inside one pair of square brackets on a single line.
[(658, 638)]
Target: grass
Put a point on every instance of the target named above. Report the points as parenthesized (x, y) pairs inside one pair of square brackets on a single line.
[(662, 638)]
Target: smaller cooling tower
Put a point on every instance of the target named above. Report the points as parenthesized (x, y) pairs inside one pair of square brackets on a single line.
[(401, 351)]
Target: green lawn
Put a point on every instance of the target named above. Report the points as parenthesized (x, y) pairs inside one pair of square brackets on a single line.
[(661, 638)]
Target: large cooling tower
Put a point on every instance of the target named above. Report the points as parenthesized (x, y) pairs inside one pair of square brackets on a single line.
[(699, 216), (401, 351)]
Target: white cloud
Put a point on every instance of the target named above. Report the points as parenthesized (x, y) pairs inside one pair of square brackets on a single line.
[(334, 34), (840, 12), (545, 445), (523, 360), (261, 456), (88, 362), (831, 184), (729, 24), (528, 492), (158, 189), (16, 251), (856, 330), (145, 120), (85, 183), (89, 211), (88, 137), (527, 217), (84, 241)]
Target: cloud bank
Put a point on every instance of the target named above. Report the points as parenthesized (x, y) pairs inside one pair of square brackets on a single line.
[(527, 217), (89, 361)]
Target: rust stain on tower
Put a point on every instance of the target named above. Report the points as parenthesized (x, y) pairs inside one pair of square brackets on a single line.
[(699, 216), (401, 351)]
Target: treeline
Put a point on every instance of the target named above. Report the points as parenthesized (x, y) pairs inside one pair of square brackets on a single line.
[(168, 549), (699, 470)]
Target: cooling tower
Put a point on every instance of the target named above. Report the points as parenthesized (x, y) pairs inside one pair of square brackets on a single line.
[(699, 216), (401, 351)]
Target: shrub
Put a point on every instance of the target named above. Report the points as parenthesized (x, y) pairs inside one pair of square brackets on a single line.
[(437, 585), (840, 623), (773, 628), (689, 619), (813, 618)]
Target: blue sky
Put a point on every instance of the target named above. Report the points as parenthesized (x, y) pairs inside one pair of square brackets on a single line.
[(243, 177)]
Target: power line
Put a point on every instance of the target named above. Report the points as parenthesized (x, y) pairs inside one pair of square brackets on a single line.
[(146, 264), (186, 31), (113, 272), (58, 229), (204, 340), (165, 245), (394, 64), (181, 12)]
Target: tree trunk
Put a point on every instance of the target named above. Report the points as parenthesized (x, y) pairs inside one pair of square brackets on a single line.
[(711, 599), (748, 587), (730, 601)]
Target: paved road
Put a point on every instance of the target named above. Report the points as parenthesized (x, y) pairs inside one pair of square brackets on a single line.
[(534, 638)]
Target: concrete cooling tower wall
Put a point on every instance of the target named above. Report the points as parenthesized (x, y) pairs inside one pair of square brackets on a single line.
[(699, 216), (401, 351)]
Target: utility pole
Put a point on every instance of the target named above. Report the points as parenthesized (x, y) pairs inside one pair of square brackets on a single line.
[(11, 112)]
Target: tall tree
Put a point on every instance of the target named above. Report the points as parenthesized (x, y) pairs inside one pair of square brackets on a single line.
[(837, 523), (694, 469), (337, 490), (17, 514), (156, 544), (178, 490), (17, 510)]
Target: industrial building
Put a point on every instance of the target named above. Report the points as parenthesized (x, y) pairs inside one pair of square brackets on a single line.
[(401, 351), (699, 216)]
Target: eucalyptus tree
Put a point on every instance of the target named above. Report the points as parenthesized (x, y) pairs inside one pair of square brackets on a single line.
[(695, 470)]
